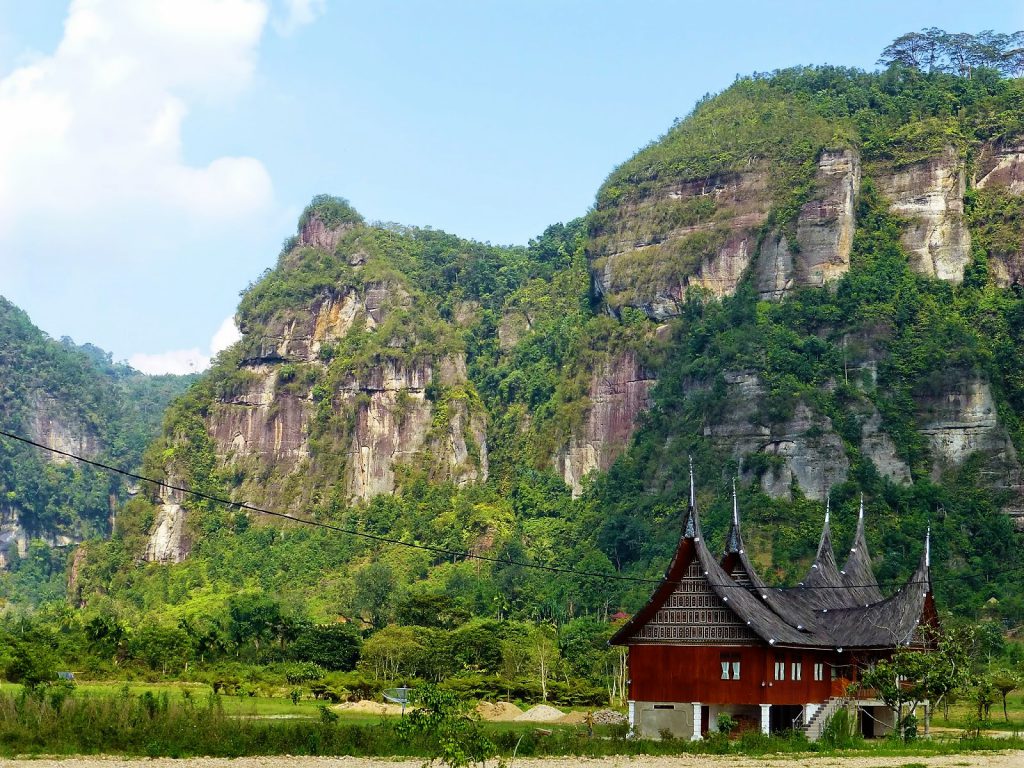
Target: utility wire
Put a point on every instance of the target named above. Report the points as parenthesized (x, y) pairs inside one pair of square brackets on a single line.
[(425, 547)]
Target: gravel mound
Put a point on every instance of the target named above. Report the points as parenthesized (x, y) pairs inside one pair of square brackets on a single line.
[(609, 717), (498, 711), (542, 713)]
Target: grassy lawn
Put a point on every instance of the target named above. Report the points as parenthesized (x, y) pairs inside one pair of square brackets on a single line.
[(266, 707), (962, 713)]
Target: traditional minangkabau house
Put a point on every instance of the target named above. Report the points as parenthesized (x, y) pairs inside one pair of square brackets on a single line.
[(714, 638)]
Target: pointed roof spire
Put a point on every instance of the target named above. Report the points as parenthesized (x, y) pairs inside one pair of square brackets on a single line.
[(735, 505), (824, 573), (928, 547), (857, 573), (693, 494), (690, 527), (734, 543)]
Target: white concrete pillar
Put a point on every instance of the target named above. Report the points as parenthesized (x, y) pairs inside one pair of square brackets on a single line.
[(696, 722), (631, 714), (809, 711), (713, 718), (765, 721)]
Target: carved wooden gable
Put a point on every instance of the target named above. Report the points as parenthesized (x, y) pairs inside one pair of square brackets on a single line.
[(694, 615)]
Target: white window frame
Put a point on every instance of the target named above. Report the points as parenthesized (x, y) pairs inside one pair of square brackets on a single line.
[(725, 670), (780, 671), (796, 671), (735, 670), (819, 671)]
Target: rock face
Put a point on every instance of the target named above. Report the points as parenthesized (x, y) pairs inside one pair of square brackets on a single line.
[(805, 450), (393, 408), (879, 447), (169, 540), (15, 538), (962, 421), (395, 422), (1002, 167), (703, 234), (316, 234), (824, 232), (930, 195), (50, 424), (619, 393), (693, 234), (262, 422), (299, 335)]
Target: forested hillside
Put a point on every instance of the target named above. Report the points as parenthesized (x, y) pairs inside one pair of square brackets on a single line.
[(811, 282), (72, 398)]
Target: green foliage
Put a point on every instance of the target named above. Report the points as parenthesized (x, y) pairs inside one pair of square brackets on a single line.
[(110, 409), (456, 738), (840, 732), (330, 646), (332, 212)]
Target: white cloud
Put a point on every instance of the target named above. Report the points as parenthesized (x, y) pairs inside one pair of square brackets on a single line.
[(298, 13), (95, 127), (225, 336), (182, 361)]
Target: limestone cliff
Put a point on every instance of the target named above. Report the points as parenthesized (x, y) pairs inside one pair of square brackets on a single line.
[(930, 195), (804, 450), (55, 425), (338, 392), (619, 393), (699, 233), (823, 231), (169, 540)]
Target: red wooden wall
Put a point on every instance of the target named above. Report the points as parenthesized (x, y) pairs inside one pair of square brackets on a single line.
[(694, 673)]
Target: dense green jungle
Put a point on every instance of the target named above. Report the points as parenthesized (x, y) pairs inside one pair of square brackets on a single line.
[(473, 366)]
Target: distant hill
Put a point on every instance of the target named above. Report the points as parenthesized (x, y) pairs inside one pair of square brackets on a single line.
[(75, 399), (813, 281)]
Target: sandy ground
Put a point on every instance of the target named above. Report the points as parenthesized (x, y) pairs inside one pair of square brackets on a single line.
[(1012, 759)]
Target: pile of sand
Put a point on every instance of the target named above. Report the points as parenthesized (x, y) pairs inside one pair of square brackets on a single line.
[(498, 711), (574, 718), (542, 713), (371, 707)]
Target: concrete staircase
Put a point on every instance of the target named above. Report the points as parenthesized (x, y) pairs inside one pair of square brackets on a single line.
[(812, 728)]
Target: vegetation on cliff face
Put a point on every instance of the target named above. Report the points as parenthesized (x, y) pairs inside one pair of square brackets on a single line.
[(877, 344), (73, 398)]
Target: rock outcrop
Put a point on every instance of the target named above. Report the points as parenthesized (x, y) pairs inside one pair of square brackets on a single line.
[(395, 423), (15, 538), (1000, 170), (693, 234), (169, 540), (879, 447), (961, 421), (51, 423), (930, 195), (286, 414), (1001, 166), (804, 450), (824, 232), (619, 393)]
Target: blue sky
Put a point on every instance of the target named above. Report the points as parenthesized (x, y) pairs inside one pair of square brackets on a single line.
[(155, 153)]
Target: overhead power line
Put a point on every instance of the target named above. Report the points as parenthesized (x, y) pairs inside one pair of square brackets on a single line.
[(456, 554)]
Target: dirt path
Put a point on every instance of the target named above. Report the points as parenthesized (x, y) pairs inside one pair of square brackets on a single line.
[(1011, 759)]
